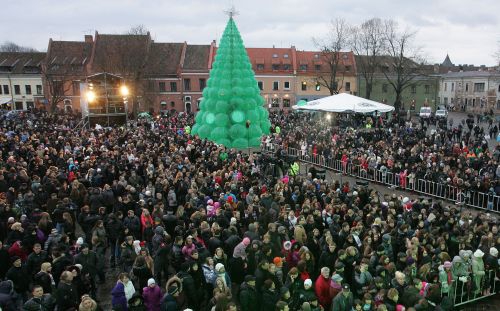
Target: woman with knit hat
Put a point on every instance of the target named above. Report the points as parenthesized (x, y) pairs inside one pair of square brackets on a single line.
[(478, 271)]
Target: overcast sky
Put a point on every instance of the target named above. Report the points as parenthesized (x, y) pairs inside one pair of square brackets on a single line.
[(468, 30)]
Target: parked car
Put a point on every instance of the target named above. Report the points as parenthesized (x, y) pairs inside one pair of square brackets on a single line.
[(441, 114), (425, 112)]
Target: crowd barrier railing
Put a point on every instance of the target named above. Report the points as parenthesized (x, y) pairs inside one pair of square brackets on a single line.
[(471, 288), (459, 196)]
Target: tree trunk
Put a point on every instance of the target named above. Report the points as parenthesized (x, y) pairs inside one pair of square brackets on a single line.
[(368, 91), (397, 103)]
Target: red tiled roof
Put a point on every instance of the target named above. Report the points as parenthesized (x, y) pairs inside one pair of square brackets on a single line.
[(265, 56)]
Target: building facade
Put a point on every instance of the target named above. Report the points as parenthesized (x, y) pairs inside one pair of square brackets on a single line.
[(472, 91), (21, 84), (312, 66)]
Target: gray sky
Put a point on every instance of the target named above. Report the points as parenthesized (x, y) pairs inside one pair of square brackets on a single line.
[(468, 30)]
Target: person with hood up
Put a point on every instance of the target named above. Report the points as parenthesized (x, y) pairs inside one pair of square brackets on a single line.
[(445, 277), (240, 249), (335, 285), (136, 303), (169, 302), (158, 239), (478, 271), (152, 296), (119, 300), (7, 296)]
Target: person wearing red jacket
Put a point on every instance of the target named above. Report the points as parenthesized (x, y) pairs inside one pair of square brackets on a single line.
[(146, 219), (322, 288)]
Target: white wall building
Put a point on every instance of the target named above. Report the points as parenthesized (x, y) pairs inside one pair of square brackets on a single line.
[(20, 80), (475, 91)]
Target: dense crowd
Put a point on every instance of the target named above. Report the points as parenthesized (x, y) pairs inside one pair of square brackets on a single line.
[(183, 224), (450, 154)]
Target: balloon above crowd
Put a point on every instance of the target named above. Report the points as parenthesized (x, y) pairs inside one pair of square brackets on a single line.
[(231, 112)]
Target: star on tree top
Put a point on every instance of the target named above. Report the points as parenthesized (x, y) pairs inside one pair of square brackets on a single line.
[(231, 12)]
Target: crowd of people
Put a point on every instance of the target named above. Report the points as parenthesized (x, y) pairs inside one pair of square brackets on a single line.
[(454, 154), (183, 224)]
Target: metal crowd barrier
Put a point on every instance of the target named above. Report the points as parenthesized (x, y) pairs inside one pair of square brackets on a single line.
[(447, 192), (467, 290)]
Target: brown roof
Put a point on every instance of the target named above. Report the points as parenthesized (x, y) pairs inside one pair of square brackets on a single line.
[(313, 58), (120, 54), (21, 62), (68, 57), (197, 57), (163, 59)]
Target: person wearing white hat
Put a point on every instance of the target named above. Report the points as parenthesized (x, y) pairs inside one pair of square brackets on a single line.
[(478, 270), (152, 295)]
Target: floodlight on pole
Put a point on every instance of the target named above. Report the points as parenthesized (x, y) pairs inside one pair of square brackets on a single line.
[(90, 96), (124, 90), (328, 117)]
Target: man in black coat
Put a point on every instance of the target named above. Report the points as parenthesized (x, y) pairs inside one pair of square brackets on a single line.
[(40, 301), (66, 295), (188, 286), (17, 274), (7, 296), (35, 259), (44, 278), (248, 294), (4, 257)]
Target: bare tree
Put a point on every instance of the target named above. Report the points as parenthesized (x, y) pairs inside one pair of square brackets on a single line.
[(403, 63), (331, 48), (57, 85), (497, 54), (9, 46), (367, 42), (138, 30)]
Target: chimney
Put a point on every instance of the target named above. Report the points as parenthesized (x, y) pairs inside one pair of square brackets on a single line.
[(88, 39)]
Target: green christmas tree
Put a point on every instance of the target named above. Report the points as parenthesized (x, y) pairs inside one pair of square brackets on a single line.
[(231, 112)]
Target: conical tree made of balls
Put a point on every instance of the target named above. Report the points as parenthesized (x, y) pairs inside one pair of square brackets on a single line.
[(231, 112)]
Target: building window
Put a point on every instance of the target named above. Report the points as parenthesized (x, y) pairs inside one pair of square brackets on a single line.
[(446, 87), (276, 85), (316, 56), (286, 85), (414, 89), (303, 67), (261, 85), (466, 87), (17, 90), (19, 105), (275, 55), (348, 86), (276, 67), (6, 90), (151, 85), (38, 90), (384, 88), (304, 86), (446, 101), (172, 104), (317, 67), (478, 87), (286, 103), (28, 89), (173, 86), (427, 89), (452, 87), (76, 88), (260, 66), (285, 55), (187, 84), (162, 87), (30, 105), (203, 84), (275, 103), (1, 91), (347, 68), (318, 86), (286, 67)]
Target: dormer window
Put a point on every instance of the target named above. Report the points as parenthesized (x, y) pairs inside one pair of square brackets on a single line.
[(275, 55), (285, 55)]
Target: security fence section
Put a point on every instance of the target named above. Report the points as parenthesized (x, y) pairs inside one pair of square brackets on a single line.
[(470, 288), (460, 196)]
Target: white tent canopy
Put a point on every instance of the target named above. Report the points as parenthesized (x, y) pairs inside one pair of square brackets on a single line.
[(344, 103)]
